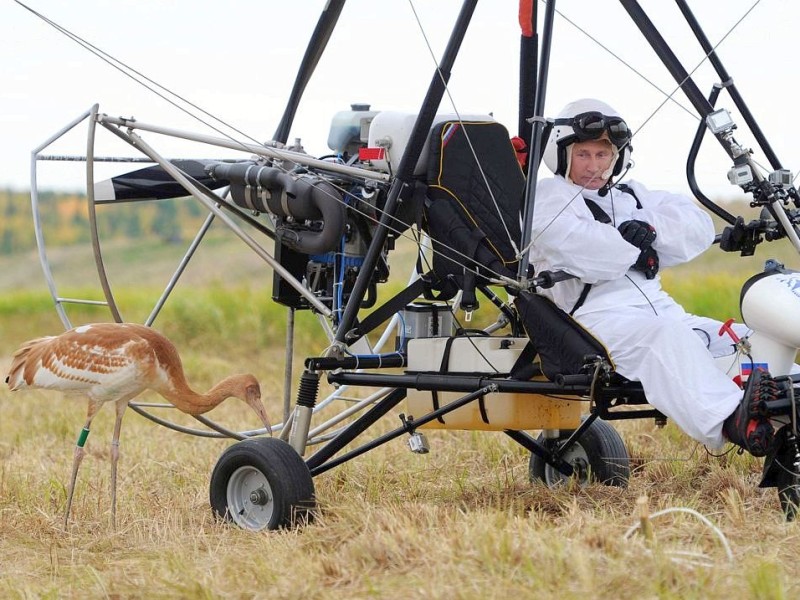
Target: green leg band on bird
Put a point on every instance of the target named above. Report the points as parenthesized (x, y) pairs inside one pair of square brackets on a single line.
[(82, 437)]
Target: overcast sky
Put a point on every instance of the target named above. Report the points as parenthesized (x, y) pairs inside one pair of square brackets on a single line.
[(237, 60)]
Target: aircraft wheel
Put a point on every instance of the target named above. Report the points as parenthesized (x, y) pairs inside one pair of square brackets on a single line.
[(262, 483), (599, 455)]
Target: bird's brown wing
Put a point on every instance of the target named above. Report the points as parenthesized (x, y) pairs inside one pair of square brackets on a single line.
[(86, 359)]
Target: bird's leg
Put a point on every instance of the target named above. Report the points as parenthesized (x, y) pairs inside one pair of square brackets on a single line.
[(78, 456), (121, 406)]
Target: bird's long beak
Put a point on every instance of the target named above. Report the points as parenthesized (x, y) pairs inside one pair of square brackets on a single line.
[(254, 400)]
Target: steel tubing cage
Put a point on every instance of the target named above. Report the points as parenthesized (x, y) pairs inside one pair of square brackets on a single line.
[(394, 386), (608, 396), (214, 203), (124, 128)]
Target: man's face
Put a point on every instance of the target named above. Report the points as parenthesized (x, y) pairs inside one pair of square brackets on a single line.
[(590, 159)]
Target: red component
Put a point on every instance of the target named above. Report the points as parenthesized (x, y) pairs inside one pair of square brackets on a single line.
[(371, 153), (726, 328), (527, 14), (521, 149)]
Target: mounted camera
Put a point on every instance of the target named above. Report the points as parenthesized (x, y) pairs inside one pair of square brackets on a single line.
[(740, 175), (720, 122), (781, 177)]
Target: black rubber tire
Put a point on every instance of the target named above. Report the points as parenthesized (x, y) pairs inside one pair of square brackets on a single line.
[(782, 471), (787, 481), (599, 455), (262, 483)]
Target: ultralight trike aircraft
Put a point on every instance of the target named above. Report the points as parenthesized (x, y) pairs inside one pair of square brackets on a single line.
[(454, 184)]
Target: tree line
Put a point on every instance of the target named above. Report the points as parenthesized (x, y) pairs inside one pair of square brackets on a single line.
[(65, 219)]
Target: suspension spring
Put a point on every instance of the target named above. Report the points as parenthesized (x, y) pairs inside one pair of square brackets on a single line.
[(308, 390)]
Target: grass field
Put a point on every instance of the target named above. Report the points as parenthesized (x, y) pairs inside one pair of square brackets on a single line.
[(461, 522)]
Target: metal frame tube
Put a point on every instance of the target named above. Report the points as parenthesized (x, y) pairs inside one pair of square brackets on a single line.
[(181, 268), (294, 157), (203, 194), (287, 367), (667, 56), (528, 60), (355, 429), (298, 437), (98, 256), (360, 405), (690, 162), (319, 39), (37, 222), (536, 141), (728, 83), (405, 170), (322, 464)]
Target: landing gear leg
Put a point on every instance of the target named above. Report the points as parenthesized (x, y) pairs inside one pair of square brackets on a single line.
[(782, 471)]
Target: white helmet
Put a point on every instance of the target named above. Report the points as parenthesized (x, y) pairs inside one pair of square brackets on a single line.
[(587, 119)]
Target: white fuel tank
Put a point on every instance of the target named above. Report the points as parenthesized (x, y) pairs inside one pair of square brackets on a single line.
[(391, 130), (349, 128)]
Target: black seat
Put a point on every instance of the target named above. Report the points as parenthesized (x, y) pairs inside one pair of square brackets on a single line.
[(472, 210)]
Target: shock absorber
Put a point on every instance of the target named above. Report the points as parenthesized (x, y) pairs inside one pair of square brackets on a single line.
[(306, 399)]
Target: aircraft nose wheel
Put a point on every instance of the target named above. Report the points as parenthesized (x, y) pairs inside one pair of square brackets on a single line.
[(599, 455), (262, 483), (249, 498), (580, 466), (259, 497)]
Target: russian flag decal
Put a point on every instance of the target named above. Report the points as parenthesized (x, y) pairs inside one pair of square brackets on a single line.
[(748, 368)]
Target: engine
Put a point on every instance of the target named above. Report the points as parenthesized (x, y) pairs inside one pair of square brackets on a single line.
[(323, 222)]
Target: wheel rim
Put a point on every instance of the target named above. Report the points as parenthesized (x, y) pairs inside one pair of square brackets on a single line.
[(250, 499), (576, 457)]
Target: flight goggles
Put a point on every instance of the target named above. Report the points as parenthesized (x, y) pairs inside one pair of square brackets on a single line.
[(591, 125)]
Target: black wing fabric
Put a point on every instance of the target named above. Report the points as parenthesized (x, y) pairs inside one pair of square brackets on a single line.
[(154, 182)]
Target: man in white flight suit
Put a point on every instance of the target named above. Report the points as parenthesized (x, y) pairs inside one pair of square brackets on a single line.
[(614, 239)]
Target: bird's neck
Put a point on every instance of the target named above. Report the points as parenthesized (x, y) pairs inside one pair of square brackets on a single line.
[(187, 400)]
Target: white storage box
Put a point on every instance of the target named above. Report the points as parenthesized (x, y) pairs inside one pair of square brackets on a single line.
[(495, 412)]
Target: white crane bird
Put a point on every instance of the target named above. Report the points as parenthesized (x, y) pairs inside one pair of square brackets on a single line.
[(114, 362)]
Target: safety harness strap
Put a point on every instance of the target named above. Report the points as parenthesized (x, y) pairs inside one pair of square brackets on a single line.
[(602, 216)]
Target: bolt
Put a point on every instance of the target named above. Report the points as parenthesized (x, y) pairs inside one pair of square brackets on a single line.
[(259, 497)]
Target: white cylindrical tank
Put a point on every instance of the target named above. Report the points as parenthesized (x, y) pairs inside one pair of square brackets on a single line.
[(771, 308), (391, 131), (349, 128)]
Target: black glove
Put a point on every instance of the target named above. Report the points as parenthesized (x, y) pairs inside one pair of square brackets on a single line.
[(647, 263), (638, 233)]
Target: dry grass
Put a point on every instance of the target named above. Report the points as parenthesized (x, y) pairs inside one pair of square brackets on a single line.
[(460, 522)]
